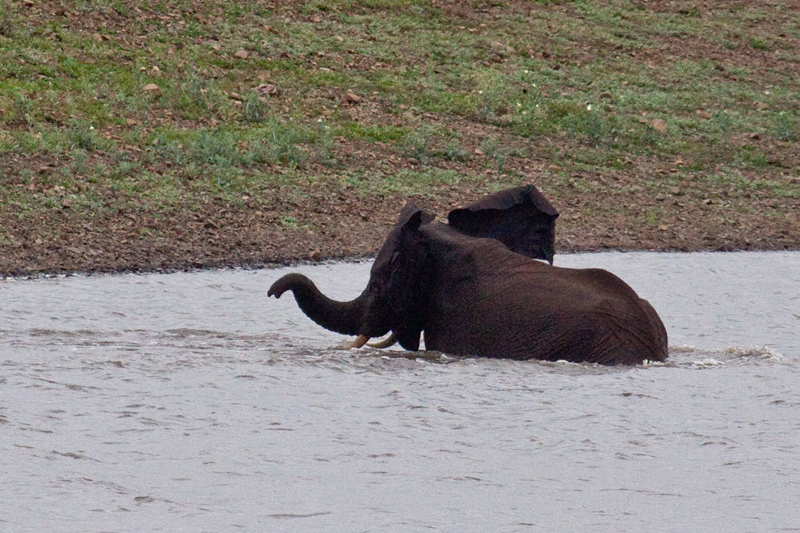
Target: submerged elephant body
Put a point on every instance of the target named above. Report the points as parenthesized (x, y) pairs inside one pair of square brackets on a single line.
[(480, 296), (502, 304)]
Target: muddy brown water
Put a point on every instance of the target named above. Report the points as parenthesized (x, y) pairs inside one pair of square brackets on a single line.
[(192, 402)]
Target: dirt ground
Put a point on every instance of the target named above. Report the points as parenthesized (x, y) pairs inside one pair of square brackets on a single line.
[(219, 235), (627, 209)]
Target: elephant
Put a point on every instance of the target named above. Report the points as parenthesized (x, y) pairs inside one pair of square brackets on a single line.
[(483, 285)]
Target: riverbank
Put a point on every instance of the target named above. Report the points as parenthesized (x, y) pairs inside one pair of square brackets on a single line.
[(352, 227), (139, 138)]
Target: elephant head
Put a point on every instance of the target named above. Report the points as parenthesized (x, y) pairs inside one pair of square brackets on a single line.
[(394, 298)]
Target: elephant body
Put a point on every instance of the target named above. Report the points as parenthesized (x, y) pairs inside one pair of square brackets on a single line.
[(474, 287), (503, 304)]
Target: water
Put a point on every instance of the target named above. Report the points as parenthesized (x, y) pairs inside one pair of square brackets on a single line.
[(192, 402)]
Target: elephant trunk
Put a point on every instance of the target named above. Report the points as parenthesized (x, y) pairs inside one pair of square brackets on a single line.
[(341, 317)]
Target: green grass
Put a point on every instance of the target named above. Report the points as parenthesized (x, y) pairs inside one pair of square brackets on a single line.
[(578, 84)]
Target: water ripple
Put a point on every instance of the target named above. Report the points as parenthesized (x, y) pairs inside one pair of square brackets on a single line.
[(190, 401)]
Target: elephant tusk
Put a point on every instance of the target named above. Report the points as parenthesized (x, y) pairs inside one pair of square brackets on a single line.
[(358, 342), (388, 341)]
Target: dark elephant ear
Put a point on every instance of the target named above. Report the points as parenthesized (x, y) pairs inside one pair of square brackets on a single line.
[(398, 276), (521, 218), (411, 218)]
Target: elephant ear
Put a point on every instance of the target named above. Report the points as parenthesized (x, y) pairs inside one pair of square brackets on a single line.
[(411, 218), (521, 218), (398, 278)]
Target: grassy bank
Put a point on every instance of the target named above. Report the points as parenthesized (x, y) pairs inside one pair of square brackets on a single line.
[(175, 134)]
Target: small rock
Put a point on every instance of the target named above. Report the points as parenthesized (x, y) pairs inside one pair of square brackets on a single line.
[(702, 114), (351, 98), (241, 54), (267, 89), (27, 3), (755, 136), (339, 38), (502, 50), (152, 88), (658, 125)]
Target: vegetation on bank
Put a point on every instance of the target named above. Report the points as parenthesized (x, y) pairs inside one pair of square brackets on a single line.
[(636, 114)]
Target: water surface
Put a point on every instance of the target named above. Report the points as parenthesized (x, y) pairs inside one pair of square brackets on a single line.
[(191, 401)]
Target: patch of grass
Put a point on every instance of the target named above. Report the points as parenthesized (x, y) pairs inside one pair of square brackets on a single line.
[(23, 109), (355, 131), (454, 151), (83, 135), (282, 143), (410, 182), (786, 127), (559, 86), (654, 216), (491, 148), (417, 143), (289, 222), (6, 26), (254, 108), (325, 144)]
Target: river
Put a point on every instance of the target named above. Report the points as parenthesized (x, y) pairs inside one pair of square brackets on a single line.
[(192, 402)]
